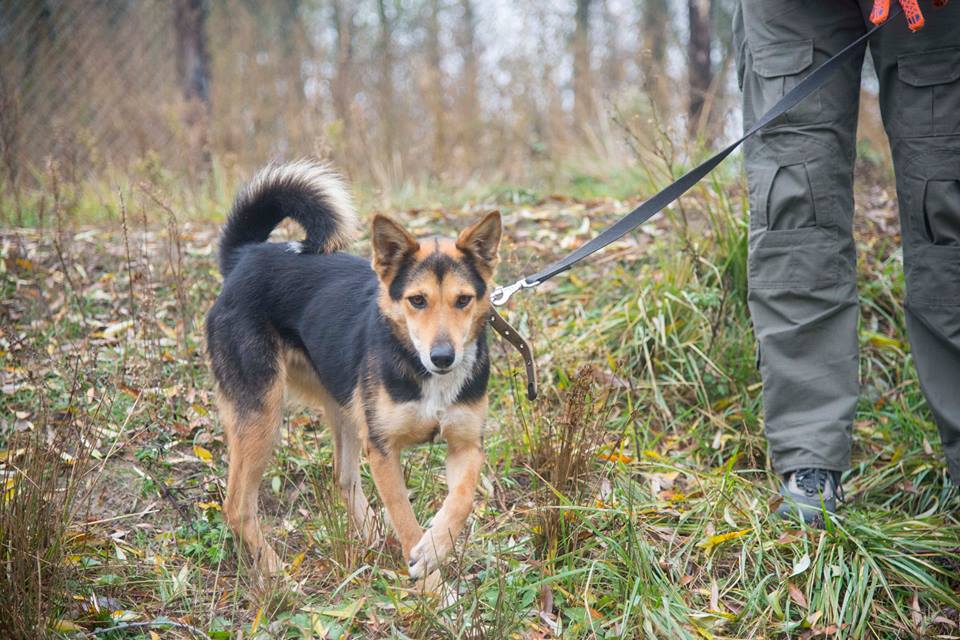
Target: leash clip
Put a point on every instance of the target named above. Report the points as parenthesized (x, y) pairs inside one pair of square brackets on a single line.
[(501, 295)]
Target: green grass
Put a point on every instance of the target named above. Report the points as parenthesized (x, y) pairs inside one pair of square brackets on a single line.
[(631, 500)]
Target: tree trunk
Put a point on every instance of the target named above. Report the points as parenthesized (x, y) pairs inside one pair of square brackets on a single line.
[(613, 64), (582, 84), (655, 18), (385, 87), (193, 72), (342, 90), (435, 86), (10, 133), (293, 33), (698, 63), (470, 105), (193, 62), (40, 41)]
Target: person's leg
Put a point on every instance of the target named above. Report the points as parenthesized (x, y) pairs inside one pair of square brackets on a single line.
[(920, 101), (802, 262)]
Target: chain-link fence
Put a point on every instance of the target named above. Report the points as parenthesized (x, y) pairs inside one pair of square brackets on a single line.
[(86, 82), (391, 90)]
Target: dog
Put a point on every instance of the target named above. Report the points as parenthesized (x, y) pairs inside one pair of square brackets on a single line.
[(393, 350)]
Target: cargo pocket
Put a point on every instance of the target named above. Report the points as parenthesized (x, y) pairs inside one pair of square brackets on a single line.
[(790, 201), (933, 277), (941, 212), (804, 258), (929, 93), (933, 271), (779, 68)]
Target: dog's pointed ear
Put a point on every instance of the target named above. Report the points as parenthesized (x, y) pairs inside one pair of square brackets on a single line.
[(391, 243), (482, 239)]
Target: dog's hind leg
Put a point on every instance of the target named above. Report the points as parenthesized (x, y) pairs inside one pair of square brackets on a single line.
[(347, 466), (250, 439)]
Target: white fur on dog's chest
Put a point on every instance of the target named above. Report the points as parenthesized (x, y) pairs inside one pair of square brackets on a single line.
[(438, 393)]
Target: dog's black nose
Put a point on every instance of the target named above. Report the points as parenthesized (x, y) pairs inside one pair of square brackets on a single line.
[(442, 354)]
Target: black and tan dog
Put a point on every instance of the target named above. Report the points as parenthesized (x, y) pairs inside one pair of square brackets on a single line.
[(394, 354)]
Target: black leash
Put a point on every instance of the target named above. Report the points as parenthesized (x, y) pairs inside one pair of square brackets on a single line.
[(661, 200)]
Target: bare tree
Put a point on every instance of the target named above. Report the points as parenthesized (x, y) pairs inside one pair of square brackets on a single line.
[(470, 98), (582, 81), (193, 62), (699, 68), (654, 29), (293, 40), (386, 88), (10, 139), (193, 71), (344, 15), (40, 38), (613, 59), (435, 85)]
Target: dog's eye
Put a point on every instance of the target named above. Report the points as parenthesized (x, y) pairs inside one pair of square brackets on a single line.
[(463, 301), (417, 302)]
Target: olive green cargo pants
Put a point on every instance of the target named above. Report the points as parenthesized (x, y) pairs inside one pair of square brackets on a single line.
[(802, 261)]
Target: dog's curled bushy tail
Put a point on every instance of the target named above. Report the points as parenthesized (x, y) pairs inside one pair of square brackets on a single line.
[(307, 191)]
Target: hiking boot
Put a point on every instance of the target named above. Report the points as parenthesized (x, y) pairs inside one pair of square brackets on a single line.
[(810, 492)]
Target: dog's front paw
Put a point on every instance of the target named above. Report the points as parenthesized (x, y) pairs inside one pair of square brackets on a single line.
[(426, 555), (267, 561)]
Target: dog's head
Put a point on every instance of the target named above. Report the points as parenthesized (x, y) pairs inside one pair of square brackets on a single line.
[(435, 290)]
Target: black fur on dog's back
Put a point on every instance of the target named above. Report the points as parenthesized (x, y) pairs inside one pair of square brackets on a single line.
[(306, 191)]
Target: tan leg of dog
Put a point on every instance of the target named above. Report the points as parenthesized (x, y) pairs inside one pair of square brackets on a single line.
[(388, 476), (250, 439), (347, 465), (464, 461)]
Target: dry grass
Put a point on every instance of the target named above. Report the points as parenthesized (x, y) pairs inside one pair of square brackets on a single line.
[(631, 500), (45, 461)]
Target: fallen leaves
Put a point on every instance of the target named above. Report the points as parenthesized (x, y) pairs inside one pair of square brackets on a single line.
[(716, 540), (801, 565), (796, 595), (203, 454)]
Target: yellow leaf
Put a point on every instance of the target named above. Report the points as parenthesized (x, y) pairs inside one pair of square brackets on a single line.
[(297, 559), (720, 538), (154, 636), (884, 342), (318, 627), (723, 403), (116, 328), (342, 613), (209, 505), (66, 626), (616, 456), (703, 632), (256, 621), (203, 454), (897, 455)]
